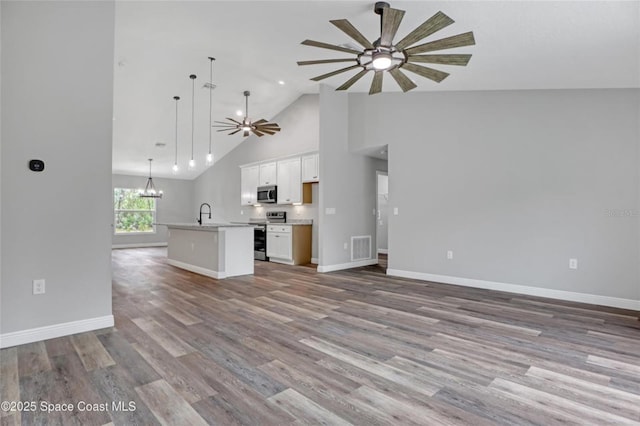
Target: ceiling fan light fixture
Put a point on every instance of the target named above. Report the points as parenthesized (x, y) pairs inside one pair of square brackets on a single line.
[(246, 126), (381, 60), (384, 55)]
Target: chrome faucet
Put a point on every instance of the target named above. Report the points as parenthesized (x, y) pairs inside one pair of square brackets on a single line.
[(201, 206)]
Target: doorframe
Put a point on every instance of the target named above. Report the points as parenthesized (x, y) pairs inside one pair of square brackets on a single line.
[(378, 174)]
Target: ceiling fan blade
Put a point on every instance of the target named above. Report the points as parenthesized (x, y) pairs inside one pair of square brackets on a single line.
[(376, 83), (326, 61), (352, 80), (461, 60), (274, 128), (465, 39), (429, 73), (233, 133), (391, 19), (329, 46), (268, 132), (262, 120), (225, 126), (428, 27), (224, 122), (257, 133), (235, 121), (332, 73), (403, 81), (352, 32)]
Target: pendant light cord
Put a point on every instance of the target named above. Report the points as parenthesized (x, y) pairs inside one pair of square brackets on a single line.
[(193, 94), (210, 98), (175, 162)]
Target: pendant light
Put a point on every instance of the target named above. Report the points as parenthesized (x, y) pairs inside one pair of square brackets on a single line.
[(150, 190), (209, 160), (175, 167), (192, 162)]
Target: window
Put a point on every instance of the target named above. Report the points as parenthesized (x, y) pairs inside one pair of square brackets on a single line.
[(132, 214)]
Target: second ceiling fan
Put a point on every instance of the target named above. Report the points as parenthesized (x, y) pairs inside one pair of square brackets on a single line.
[(258, 128), (384, 55)]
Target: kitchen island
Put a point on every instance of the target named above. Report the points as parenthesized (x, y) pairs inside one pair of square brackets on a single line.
[(214, 249)]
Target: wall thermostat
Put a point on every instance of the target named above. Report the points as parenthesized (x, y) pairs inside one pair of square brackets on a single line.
[(36, 165)]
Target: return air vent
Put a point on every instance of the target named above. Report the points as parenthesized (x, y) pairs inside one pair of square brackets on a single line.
[(360, 248)]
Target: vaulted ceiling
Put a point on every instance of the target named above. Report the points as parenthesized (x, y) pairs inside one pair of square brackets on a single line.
[(158, 44)]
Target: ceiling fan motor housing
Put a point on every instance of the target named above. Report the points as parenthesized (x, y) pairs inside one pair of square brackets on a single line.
[(380, 6)]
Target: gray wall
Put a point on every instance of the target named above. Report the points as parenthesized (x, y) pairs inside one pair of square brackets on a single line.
[(175, 206), (515, 183), (348, 184), (220, 184), (57, 94)]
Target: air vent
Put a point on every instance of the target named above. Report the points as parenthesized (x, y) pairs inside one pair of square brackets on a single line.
[(360, 248)]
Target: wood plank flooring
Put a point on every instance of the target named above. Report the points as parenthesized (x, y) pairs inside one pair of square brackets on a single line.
[(290, 346)]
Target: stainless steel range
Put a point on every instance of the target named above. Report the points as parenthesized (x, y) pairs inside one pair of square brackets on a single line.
[(260, 232)]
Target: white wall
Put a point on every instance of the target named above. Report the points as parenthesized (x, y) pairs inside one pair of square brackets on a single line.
[(175, 206), (56, 103), (348, 186), (515, 183), (220, 184)]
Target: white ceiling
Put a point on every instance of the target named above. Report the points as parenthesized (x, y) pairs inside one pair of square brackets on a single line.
[(519, 45)]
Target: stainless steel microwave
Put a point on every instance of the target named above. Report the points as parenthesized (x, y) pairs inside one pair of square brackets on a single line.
[(267, 194)]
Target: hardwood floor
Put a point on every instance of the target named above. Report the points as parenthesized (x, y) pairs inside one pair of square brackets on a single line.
[(289, 346)]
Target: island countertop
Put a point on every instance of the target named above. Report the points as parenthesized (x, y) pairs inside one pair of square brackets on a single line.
[(211, 227)]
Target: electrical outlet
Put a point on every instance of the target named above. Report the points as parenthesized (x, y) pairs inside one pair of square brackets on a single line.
[(241, 212), (573, 263), (346, 246), (395, 211), (449, 254), (39, 286)]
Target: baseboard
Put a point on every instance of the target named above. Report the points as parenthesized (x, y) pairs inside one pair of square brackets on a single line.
[(197, 269), (22, 337), (137, 245), (383, 251), (341, 266), (571, 296)]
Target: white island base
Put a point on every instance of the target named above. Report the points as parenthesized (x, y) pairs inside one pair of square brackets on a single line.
[(217, 251)]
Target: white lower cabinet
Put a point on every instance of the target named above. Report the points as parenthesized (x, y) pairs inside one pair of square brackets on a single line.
[(279, 242), (290, 244)]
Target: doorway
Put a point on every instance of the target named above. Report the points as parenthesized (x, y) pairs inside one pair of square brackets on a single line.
[(382, 215)]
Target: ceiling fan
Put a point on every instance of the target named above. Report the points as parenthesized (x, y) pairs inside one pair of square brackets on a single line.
[(258, 128), (384, 55)]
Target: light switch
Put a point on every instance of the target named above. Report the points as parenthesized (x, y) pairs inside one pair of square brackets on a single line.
[(330, 210), (39, 286), (395, 211), (573, 263)]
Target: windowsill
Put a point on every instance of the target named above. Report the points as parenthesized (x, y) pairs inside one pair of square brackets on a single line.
[(122, 234)]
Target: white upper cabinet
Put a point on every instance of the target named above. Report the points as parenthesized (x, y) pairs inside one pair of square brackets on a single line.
[(310, 168), (249, 182), (289, 183), (268, 174)]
